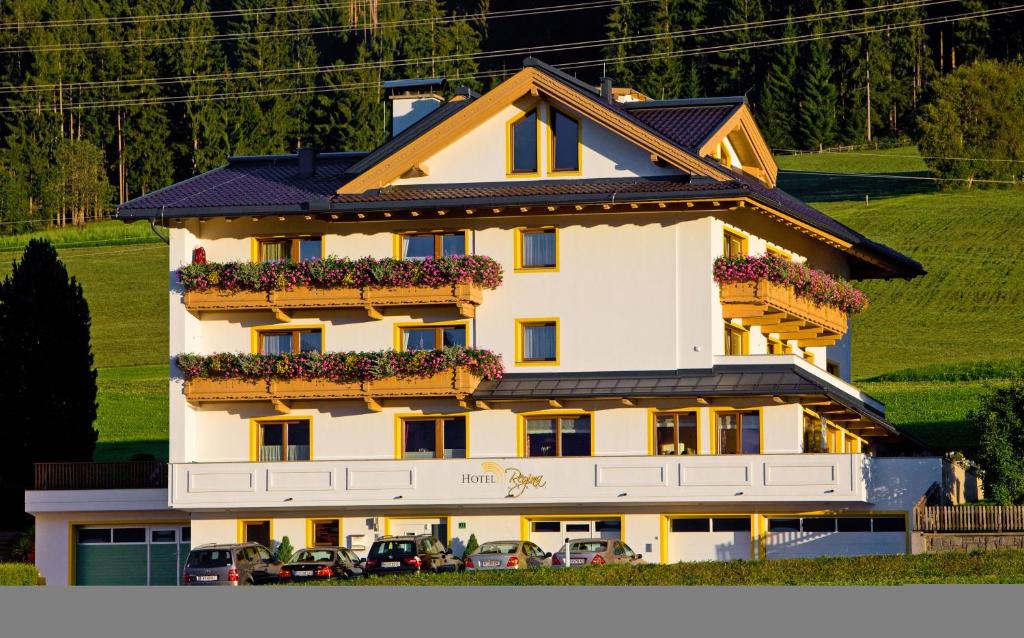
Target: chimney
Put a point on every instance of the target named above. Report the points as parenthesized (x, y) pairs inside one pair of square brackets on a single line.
[(307, 162), (412, 100), (606, 90)]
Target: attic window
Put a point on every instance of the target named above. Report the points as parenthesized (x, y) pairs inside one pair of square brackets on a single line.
[(523, 147), (565, 143)]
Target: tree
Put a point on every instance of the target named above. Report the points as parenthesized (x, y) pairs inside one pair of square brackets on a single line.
[(971, 128), (47, 380), (471, 546), (817, 115), (735, 72), (998, 427), (623, 25), (284, 550), (662, 76), (777, 108)]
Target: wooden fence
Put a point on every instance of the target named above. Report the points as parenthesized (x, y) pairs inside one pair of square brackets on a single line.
[(100, 476), (969, 518)]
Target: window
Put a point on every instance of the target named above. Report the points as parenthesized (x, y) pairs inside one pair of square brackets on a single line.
[(691, 524), (736, 341), (419, 246), (675, 433), (776, 346), (739, 433), (283, 441), (564, 146), (558, 435), (537, 341), (854, 524), (819, 524), (577, 528), (734, 244), (163, 536), (614, 525), (814, 435), (731, 524), (434, 438), (783, 524), (290, 340), (256, 532), (833, 368), (779, 252), (325, 533), (289, 248), (91, 536), (431, 337), (129, 534), (547, 526), (523, 145), (889, 524), (536, 249)]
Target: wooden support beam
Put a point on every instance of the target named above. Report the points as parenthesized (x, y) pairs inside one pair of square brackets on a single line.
[(466, 310), (280, 314), (523, 209), (578, 207), (702, 401), (281, 407), (554, 403), (464, 404), (742, 310), (482, 405), (763, 320), (808, 333), (372, 404), (373, 313), (788, 326), (606, 206), (778, 399), (819, 341), (629, 403)]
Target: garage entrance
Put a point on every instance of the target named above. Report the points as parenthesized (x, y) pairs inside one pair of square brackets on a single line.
[(130, 554), (550, 532), (697, 538), (811, 536)]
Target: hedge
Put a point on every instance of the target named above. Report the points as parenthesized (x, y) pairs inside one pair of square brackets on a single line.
[(19, 575), (997, 566)]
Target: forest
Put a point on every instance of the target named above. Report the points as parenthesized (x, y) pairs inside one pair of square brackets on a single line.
[(104, 100)]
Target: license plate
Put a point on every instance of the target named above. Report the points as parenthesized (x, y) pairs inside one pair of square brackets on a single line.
[(577, 561), (304, 572), (490, 563), (206, 579), (390, 563)]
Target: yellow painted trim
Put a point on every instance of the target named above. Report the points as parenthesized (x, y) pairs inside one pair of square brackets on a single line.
[(321, 519), (665, 527), (396, 238), (72, 557), (714, 426), (742, 120), (526, 519), (744, 334), (241, 528), (254, 333), (521, 426), (549, 124), (743, 236), (254, 243), (652, 414), (446, 517), (518, 250), (519, 341), (535, 108), (254, 433), (432, 324), (399, 418)]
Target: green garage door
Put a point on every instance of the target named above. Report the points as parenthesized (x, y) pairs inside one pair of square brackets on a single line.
[(130, 555)]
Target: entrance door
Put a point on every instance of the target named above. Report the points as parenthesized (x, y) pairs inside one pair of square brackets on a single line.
[(550, 534), (256, 532)]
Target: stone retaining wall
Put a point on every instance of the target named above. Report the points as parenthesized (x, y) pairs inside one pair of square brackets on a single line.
[(967, 542)]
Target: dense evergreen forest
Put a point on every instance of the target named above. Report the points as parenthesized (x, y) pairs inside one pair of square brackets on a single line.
[(103, 100)]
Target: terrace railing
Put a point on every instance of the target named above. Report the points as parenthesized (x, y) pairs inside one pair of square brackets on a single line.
[(100, 476), (969, 518)]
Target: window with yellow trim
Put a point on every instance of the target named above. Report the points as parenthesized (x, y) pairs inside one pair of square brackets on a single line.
[(289, 248), (738, 432), (284, 341), (283, 440), (419, 246), (256, 532), (538, 342), (554, 435), (833, 367), (537, 248), (736, 340), (434, 437), (675, 433), (814, 434), (565, 142), (776, 346), (733, 244), (779, 252), (523, 148), (326, 532), (432, 337)]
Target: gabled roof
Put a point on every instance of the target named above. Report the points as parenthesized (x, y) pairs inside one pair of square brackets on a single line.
[(686, 122)]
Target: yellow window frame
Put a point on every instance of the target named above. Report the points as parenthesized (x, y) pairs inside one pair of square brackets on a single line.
[(254, 435), (652, 423), (242, 523), (400, 327), (518, 246), (726, 410), (733, 234), (399, 431), (552, 413), (521, 324), (311, 522), (535, 109), (552, 110), (257, 331), (527, 519), (396, 239), (744, 341), (254, 244)]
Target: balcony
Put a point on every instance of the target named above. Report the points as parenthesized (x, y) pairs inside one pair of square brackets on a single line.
[(465, 297), (100, 476), (777, 308), (590, 481)]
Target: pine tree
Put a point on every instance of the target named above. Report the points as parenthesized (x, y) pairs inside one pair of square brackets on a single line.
[(623, 24), (690, 15), (735, 72), (817, 114), (777, 108), (48, 381), (662, 74)]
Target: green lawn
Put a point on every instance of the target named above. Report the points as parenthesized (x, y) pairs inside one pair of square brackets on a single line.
[(1002, 566)]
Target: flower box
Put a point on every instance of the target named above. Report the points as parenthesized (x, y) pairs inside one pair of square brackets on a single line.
[(294, 389), (458, 383), (761, 298), (227, 390), (214, 299), (305, 297)]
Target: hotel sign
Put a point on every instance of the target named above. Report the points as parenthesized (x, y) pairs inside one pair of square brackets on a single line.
[(515, 480)]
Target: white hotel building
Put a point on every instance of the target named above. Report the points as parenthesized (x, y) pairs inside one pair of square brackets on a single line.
[(641, 399)]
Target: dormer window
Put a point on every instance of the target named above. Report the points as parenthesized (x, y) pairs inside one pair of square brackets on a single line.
[(565, 143), (523, 147)]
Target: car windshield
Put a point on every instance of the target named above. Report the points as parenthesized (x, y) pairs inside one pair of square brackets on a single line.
[(209, 558), (585, 546), (313, 555), (498, 548), (393, 547)]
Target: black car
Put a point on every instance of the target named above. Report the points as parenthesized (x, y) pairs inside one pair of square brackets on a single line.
[(320, 563), (409, 554)]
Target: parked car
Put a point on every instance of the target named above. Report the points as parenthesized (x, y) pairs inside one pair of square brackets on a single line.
[(231, 565), (407, 554), (319, 563), (596, 551), (508, 555)]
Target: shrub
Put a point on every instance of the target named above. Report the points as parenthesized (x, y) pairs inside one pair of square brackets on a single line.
[(998, 427), (471, 546), (816, 285), (284, 550), (19, 575)]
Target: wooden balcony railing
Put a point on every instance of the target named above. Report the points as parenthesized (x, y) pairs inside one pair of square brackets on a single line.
[(457, 384), (100, 476), (969, 518), (776, 308), (465, 297)]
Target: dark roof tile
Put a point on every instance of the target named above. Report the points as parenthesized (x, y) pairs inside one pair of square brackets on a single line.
[(687, 126)]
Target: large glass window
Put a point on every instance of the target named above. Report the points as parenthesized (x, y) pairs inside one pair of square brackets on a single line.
[(420, 246), (558, 435), (675, 433), (523, 148), (538, 341), (434, 438), (289, 248), (733, 244), (565, 142), (433, 337), (739, 433), (283, 341), (736, 341), (537, 249), (284, 441)]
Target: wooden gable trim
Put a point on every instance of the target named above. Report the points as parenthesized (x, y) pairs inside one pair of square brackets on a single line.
[(804, 227), (741, 118), (527, 81)]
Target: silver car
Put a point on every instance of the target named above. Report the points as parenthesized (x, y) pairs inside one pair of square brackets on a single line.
[(507, 555), (596, 551), (231, 565)]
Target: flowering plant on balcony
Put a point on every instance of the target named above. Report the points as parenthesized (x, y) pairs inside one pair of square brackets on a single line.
[(815, 285), (341, 366), (341, 272)]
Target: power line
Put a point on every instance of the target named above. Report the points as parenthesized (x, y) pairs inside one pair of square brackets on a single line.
[(795, 152), (273, 73), (902, 177)]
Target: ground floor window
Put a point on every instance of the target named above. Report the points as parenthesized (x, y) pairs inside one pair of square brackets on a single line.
[(325, 532), (256, 532)]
